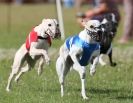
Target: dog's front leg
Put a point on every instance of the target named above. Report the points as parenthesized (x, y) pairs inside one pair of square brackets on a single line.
[(81, 70), (41, 63), (34, 52), (93, 66)]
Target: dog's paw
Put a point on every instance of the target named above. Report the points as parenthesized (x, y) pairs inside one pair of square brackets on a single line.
[(85, 98), (113, 64), (16, 79), (47, 60), (103, 64), (92, 72), (7, 89)]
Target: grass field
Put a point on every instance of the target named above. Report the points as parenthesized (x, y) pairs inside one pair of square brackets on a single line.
[(109, 85)]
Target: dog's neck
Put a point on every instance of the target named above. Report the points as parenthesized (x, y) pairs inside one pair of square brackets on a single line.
[(86, 37)]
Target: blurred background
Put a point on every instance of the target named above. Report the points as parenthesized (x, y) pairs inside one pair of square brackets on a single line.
[(35, 1), (17, 17)]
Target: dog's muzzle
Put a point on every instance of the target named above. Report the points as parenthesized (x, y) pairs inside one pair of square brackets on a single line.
[(96, 36), (50, 33), (57, 34)]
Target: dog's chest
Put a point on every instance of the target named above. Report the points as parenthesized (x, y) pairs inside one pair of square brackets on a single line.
[(88, 50), (105, 44), (42, 44)]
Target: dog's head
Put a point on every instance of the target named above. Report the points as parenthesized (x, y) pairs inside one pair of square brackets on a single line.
[(50, 27), (109, 24), (93, 28), (109, 27)]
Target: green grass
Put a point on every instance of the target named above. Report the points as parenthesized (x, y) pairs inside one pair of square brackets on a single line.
[(109, 85)]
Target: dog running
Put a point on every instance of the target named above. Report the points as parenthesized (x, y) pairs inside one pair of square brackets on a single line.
[(109, 23), (34, 49), (78, 51), (109, 26)]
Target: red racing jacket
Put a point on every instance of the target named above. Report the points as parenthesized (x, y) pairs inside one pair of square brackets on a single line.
[(33, 37)]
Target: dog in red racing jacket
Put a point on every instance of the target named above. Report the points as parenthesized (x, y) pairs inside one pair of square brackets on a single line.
[(34, 49)]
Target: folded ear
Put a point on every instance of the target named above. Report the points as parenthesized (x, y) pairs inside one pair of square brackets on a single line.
[(84, 22), (43, 20), (55, 21)]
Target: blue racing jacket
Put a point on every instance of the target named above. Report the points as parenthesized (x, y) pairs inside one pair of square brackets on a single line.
[(88, 48)]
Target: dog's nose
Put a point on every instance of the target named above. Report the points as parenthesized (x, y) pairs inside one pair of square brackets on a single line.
[(58, 34)]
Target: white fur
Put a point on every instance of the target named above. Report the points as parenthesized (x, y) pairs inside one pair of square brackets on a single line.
[(63, 65), (38, 51)]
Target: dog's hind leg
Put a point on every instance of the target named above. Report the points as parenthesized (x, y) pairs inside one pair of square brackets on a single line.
[(23, 70), (62, 68), (14, 71), (18, 62), (15, 68), (59, 69), (81, 70)]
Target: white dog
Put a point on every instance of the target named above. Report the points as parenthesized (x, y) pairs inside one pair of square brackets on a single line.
[(78, 51), (35, 48)]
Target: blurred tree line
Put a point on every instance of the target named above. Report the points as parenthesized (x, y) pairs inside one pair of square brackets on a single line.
[(45, 1), (27, 1)]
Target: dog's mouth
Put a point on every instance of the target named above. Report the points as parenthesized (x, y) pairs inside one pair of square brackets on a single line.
[(96, 36), (50, 33), (53, 35)]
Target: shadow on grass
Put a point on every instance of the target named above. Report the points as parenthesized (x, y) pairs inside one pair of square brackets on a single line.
[(119, 94), (124, 97), (103, 91)]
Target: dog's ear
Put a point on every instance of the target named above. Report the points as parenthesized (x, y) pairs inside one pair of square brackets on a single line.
[(43, 20), (84, 22), (104, 21)]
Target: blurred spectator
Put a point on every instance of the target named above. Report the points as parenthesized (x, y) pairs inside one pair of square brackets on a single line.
[(18, 1), (78, 4), (128, 22), (68, 3), (101, 7)]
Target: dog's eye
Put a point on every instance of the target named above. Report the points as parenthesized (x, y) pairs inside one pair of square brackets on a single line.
[(91, 26), (49, 25), (103, 25)]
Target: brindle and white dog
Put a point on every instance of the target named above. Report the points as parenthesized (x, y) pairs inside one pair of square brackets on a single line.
[(109, 26), (34, 49), (78, 51)]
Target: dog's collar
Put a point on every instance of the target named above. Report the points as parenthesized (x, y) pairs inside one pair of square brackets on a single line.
[(40, 37), (45, 38)]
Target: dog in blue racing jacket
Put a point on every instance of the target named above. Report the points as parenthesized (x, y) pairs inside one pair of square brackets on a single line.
[(78, 51)]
